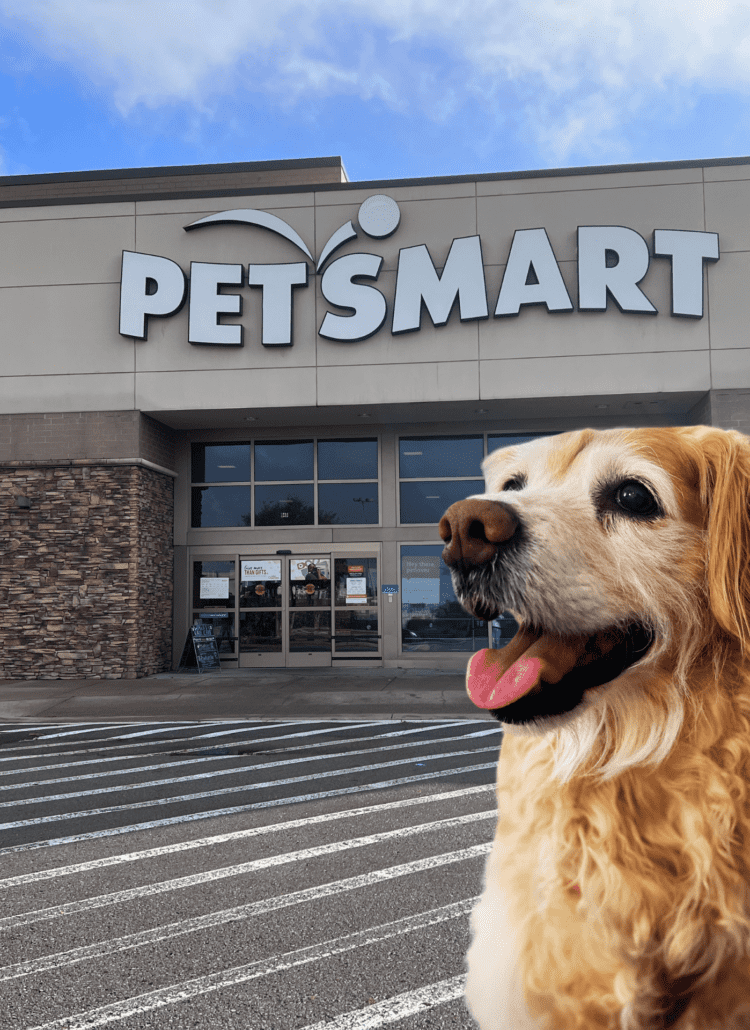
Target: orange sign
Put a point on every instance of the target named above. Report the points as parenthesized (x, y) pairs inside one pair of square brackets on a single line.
[(260, 589), (353, 569), (310, 588)]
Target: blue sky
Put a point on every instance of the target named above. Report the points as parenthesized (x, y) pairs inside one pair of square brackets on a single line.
[(398, 88)]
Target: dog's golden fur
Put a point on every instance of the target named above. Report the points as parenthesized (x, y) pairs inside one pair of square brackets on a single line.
[(617, 892)]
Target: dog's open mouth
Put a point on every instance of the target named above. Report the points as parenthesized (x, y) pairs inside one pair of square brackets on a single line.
[(540, 674)]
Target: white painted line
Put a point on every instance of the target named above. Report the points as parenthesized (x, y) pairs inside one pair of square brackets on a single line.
[(199, 736), (156, 727), (223, 838), (213, 758), (233, 771), (188, 989), (23, 727), (160, 933), (237, 809), (410, 1003), (242, 788), (97, 728)]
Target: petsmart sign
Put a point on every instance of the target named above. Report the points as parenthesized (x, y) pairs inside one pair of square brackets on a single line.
[(612, 261)]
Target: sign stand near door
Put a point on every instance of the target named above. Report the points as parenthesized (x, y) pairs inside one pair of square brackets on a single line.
[(200, 649)]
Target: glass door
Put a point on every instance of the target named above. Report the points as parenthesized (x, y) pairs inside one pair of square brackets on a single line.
[(261, 607), (356, 622), (309, 613), (214, 601)]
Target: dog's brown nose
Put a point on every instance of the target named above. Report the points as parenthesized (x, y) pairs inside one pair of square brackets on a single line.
[(472, 531)]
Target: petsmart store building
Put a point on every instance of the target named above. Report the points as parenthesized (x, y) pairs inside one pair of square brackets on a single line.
[(243, 395)]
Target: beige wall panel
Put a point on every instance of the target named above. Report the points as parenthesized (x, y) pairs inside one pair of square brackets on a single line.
[(536, 332), (721, 173), (45, 213), (665, 372), (108, 392), (63, 329), (228, 244), (196, 206), (730, 369), (380, 384), (232, 388), (455, 340), (729, 301), (594, 181), (643, 209), (427, 191), (167, 345), (435, 223), (728, 213), (69, 250)]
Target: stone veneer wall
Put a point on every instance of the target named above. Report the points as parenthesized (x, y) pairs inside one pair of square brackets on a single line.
[(86, 572)]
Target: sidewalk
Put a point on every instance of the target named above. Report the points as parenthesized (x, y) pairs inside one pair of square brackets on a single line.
[(266, 694)]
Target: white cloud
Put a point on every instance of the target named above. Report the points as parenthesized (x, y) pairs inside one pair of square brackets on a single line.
[(578, 69)]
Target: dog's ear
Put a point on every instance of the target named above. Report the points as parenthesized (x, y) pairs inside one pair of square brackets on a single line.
[(723, 460)]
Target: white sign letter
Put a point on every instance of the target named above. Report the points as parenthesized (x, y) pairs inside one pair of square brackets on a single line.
[(531, 252), (277, 282), (206, 304), (367, 303), (597, 274), (688, 251), (417, 281), (149, 285)]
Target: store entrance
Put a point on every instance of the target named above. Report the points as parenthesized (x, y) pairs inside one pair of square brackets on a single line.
[(306, 610)]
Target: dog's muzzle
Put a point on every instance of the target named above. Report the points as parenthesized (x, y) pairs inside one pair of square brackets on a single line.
[(473, 531)]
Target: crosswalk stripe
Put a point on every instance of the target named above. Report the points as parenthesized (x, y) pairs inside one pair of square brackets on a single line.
[(410, 1003), (223, 838), (176, 993), (236, 809), (238, 743), (88, 813), (233, 771), (148, 890)]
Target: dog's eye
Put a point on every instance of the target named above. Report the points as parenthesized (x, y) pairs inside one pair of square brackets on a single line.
[(634, 497), (516, 483)]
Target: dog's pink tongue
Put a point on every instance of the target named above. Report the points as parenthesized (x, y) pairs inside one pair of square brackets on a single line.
[(495, 678)]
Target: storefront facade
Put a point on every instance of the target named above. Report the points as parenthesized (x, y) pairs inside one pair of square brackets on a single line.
[(244, 395)]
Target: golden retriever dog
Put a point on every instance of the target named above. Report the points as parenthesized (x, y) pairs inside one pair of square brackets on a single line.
[(616, 893)]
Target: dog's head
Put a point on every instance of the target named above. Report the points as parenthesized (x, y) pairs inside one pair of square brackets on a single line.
[(622, 554)]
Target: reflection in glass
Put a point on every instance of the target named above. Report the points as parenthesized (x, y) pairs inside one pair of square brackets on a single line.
[(260, 632), (347, 459), (431, 617), (427, 502), (276, 461), (504, 628), (223, 627), (213, 584), (348, 504), (494, 443), (221, 463), (220, 506), (357, 631), (310, 582), (440, 456), (310, 631), (356, 581), (290, 505)]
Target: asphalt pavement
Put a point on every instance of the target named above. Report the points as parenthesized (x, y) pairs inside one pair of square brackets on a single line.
[(270, 694)]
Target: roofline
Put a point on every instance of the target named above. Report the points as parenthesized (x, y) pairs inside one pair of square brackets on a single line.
[(177, 170)]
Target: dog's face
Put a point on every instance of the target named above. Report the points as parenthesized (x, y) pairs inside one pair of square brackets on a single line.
[(607, 544)]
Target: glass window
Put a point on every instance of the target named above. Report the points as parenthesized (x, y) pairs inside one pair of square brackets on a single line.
[(348, 504), (495, 442), (356, 631), (260, 583), (260, 632), (440, 456), (356, 581), (431, 617), (213, 584), (290, 505), (347, 459), (221, 463), (427, 502), (221, 506), (276, 461)]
